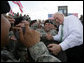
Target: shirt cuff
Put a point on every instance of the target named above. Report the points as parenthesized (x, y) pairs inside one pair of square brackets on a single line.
[(64, 45)]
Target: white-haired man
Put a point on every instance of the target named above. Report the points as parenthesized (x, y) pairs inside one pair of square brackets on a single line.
[(70, 33)]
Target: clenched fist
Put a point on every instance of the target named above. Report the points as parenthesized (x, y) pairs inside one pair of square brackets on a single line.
[(30, 37)]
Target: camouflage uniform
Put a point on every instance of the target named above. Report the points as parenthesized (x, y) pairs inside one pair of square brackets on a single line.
[(15, 50), (43, 35), (62, 55), (7, 56), (35, 26), (7, 51), (42, 32), (53, 32), (40, 53), (17, 53)]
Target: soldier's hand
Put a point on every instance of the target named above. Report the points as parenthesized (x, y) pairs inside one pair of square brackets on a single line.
[(54, 48), (49, 36), (30, 37), (11, 19)]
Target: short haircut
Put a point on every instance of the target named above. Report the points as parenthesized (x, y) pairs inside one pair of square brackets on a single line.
[(18, 20), (5, 7), (58, 13)]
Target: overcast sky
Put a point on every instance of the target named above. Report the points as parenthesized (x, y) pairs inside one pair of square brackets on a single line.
[(41, 9)]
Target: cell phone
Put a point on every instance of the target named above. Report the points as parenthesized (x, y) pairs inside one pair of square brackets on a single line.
[(16, 33), (12, 25)]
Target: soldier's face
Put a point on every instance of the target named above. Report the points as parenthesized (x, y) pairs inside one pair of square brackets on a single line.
[(47, 26), (5, 26)]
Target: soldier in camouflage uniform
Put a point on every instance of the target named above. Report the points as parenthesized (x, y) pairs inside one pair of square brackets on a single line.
[(47, 29), (34, 24), (14, 46), (20, 51), (62, 56), (37, 49)]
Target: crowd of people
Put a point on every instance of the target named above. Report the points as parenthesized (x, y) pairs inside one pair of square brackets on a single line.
[(38, 41)]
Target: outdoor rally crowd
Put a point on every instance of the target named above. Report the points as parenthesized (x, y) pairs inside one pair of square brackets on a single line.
[(37, 42)]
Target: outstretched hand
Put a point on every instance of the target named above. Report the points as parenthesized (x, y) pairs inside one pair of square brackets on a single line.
[(54, 48)]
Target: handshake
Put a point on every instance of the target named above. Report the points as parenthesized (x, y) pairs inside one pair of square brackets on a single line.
[(49, 36), (29, 37)]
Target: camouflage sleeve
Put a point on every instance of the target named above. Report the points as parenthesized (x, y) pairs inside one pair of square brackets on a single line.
[(40, 53), (53, 32), (7, 56)]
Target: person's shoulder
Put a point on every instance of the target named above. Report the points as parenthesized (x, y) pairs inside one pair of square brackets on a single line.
[(53, 32), (7, 56), (71, 16), (41, 30)]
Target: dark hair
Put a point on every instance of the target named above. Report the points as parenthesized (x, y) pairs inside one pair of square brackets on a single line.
[(32, 21), (18, 20), (5, 7)]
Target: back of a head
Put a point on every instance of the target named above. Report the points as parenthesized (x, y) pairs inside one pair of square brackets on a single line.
[(5, 7), (5, 24), (18, 20)]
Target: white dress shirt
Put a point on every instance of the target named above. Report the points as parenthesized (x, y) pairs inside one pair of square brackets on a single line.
[(72, 33)]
